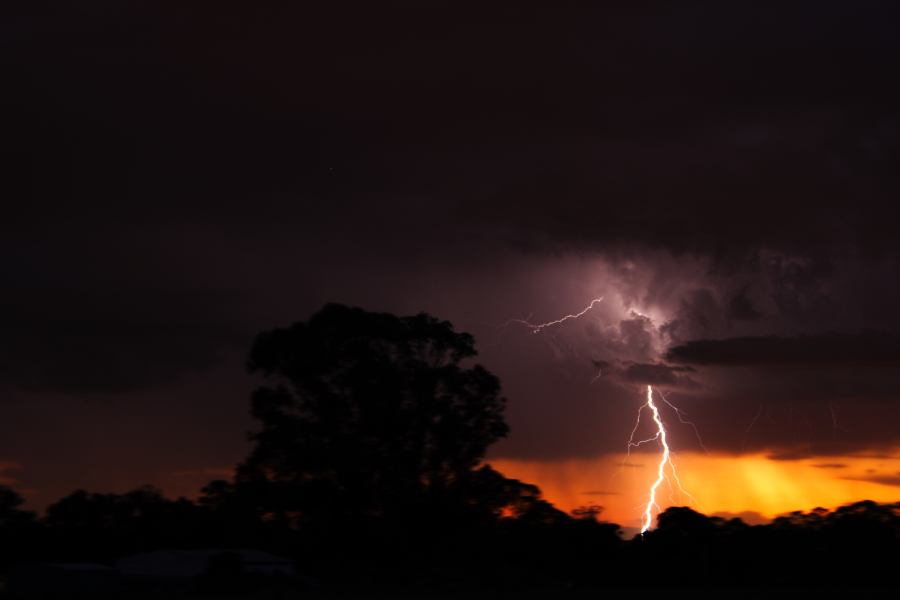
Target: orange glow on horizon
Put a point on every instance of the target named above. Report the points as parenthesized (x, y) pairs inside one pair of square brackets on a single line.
[(721, 483)]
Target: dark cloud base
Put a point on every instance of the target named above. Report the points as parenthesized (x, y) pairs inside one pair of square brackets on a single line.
[(825, 349)]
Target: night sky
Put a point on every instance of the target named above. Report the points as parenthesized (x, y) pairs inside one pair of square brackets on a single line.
[(179, 176)]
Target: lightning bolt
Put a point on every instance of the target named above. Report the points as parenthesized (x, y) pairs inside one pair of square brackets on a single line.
[(660, 437), (538, 327), (665, 459), (749, 427), (681, 414)]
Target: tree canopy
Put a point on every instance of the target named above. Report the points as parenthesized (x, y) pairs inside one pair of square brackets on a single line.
[(369, 415)]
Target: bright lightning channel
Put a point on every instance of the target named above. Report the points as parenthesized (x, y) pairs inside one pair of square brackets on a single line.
[(665, 459)]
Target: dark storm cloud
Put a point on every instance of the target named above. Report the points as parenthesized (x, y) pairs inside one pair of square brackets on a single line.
[(827, 349), (790, 454), (591, 127), (8, 470), (740, 306), (893, 480), (877, 456), (79, 356), (606, 127), (176, 177), (658, 374), (108, 314)]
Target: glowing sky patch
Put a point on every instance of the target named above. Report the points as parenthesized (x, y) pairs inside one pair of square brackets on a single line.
[(721, 483)]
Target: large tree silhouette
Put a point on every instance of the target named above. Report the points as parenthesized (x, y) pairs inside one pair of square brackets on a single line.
[(368, 416)]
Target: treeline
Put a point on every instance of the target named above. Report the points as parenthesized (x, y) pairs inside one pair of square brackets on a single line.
[(510, 544), (529, 546)]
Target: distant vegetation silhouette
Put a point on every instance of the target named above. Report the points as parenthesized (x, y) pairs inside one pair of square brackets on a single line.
[(367, 470)]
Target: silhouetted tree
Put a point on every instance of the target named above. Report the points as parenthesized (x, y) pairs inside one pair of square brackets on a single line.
[(589, 512), (103, 526), (368, 417), (18, 528), (11, 514), (681, 522)]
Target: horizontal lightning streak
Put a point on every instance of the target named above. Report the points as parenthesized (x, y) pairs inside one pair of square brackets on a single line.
[(538, 327)]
